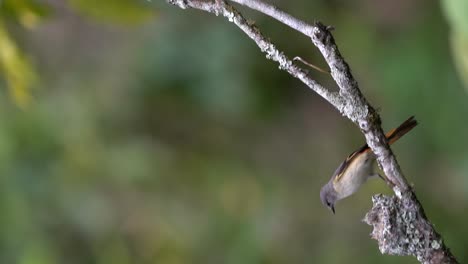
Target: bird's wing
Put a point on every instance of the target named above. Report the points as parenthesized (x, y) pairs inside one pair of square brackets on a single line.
[(340, 170)]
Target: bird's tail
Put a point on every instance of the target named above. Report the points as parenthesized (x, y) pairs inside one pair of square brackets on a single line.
[(395, 134)]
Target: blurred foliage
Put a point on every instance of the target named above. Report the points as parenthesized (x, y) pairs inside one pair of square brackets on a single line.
[(455, 11), (114, 11), (176, 141), (460, 54), (28, 13), (17, 70)]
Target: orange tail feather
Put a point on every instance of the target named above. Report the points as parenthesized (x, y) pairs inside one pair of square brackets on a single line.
[(395, 134)]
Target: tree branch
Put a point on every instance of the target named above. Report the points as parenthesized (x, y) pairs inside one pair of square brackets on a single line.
[(401, 228), (356, 107), (264, 44), (276, 13), (400, 224)]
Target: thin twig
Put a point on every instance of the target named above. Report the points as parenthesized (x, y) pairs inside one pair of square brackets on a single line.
[(297, 58), (280, 15)]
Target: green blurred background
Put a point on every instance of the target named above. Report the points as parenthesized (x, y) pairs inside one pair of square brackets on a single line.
[(137, 132)]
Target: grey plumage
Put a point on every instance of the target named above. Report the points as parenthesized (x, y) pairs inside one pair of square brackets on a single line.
[(328, 196)]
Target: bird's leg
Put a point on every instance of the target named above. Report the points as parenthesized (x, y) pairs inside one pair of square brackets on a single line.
[(383, 178)]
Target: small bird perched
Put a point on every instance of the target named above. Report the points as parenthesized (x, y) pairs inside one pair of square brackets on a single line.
[(357, 168)]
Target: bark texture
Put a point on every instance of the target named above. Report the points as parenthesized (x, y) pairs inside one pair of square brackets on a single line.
[(401, 228)]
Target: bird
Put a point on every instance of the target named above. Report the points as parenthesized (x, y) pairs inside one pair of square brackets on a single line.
[(357, 168)]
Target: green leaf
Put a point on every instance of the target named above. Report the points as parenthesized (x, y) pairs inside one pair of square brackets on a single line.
[(117, 11), (17, 70)]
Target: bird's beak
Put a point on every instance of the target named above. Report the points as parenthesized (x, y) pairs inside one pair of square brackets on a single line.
[(332, 209)]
